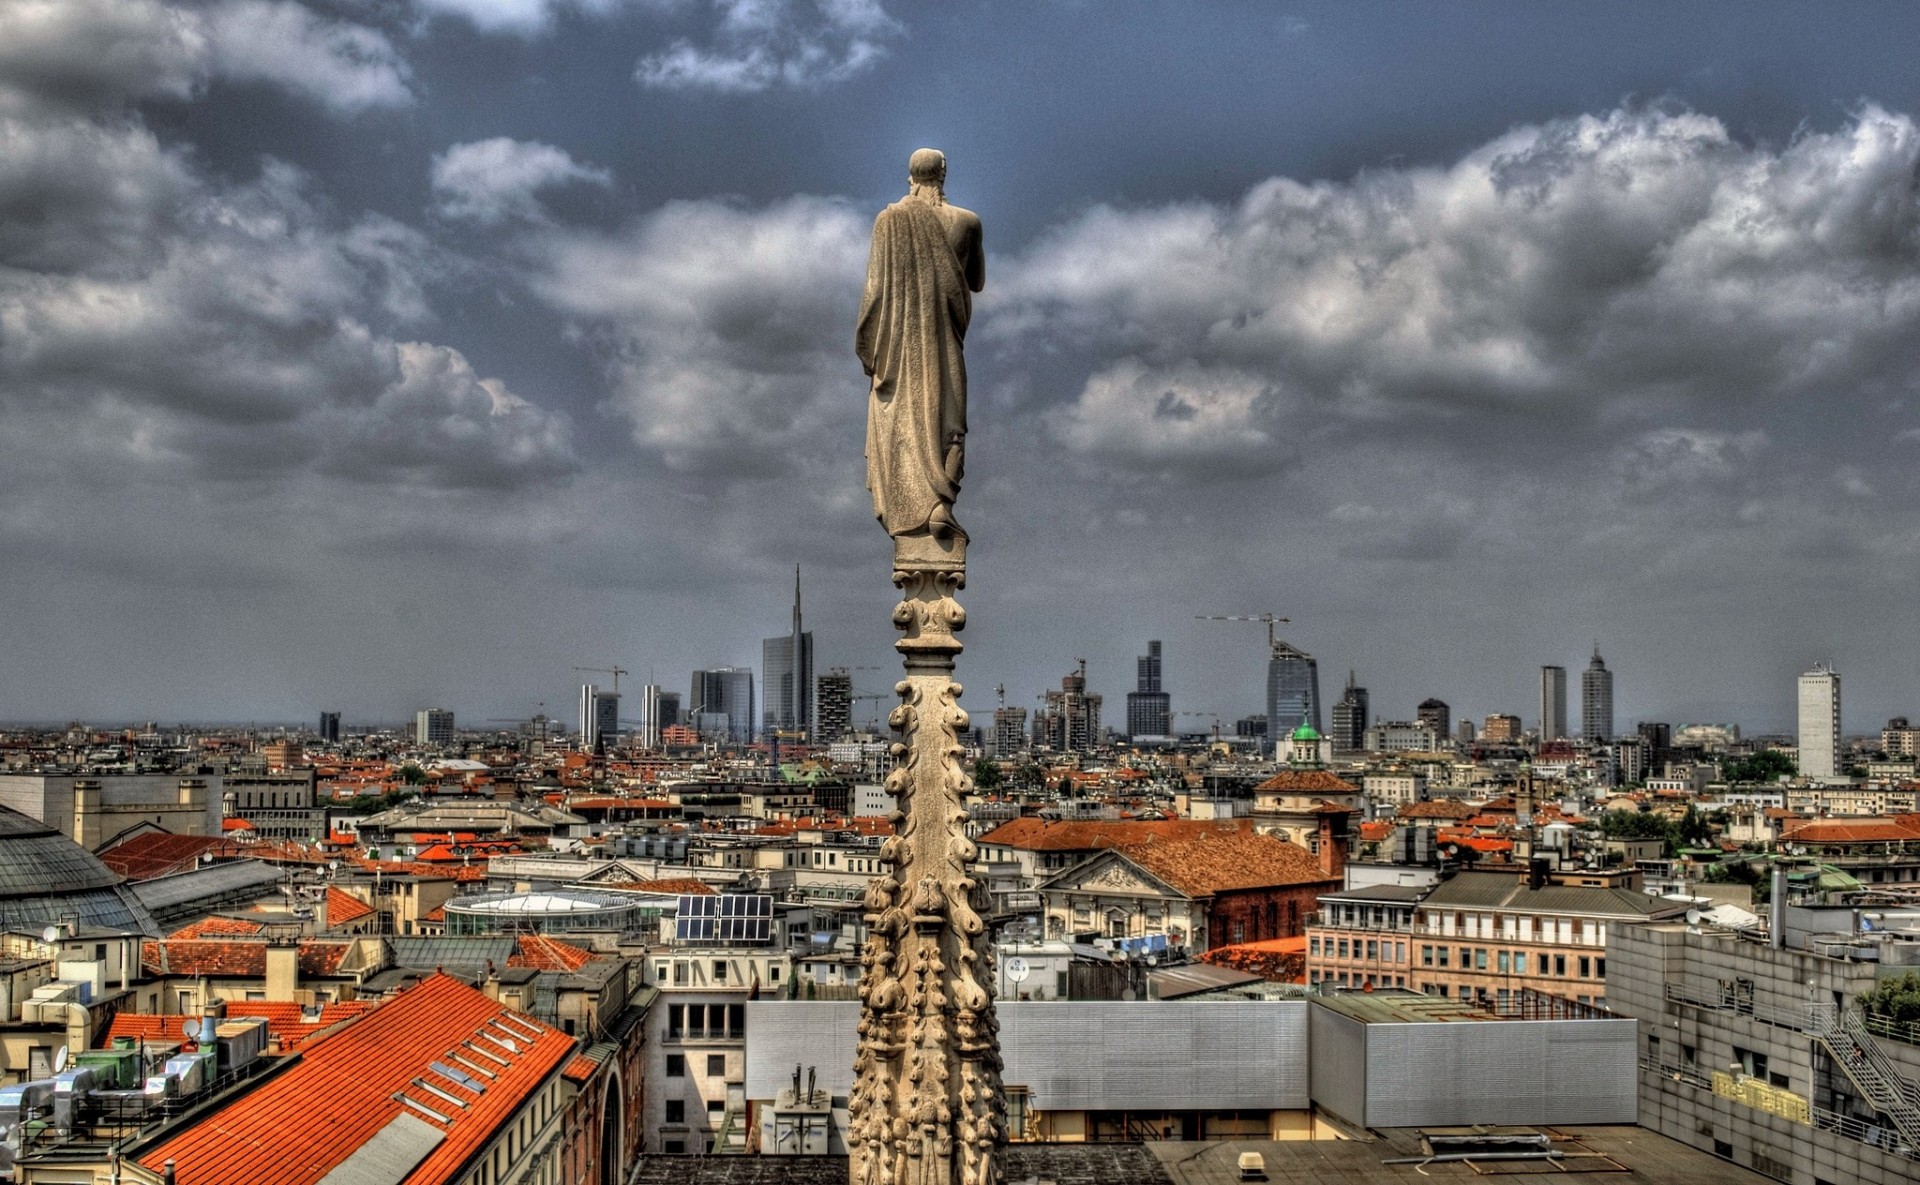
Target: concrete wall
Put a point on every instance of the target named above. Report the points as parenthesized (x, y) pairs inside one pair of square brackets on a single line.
[(1080, 1055), (1532, 1071)]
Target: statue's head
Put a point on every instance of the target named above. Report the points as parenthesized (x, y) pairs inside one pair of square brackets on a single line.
[(927, 166)]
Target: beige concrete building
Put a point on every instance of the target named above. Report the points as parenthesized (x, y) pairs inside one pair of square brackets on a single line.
[(1488, 935)]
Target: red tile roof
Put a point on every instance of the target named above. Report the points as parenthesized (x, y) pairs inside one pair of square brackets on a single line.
[(210, 927), (1298, 780), (344, 909), (153, 853), (1439, 808), (549, 954), (234, 957), (581, 1068), (284, 1020), (1896, 829), (1220, 859), (299, 1126)]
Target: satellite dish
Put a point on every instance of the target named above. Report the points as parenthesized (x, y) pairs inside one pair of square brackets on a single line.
[(60, 1058), (190, 1031), (51, 934), (1017, 970), (1694, 917)]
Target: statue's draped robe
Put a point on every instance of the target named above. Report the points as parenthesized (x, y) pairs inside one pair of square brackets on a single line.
[(913, 318)]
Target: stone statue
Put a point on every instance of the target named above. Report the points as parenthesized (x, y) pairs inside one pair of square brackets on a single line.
[(925, 265), (927, 1106)]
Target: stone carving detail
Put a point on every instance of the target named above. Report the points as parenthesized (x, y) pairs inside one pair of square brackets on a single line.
[(1118, 876)]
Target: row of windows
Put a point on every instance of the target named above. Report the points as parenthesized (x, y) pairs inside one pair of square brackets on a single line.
[(1358, 979), (706, 1020), (1372, 948), (1479, 958), (677, 1065), (1509, 926), (682, 970)]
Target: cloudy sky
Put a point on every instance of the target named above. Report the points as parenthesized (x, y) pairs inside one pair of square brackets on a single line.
[(372, 354)]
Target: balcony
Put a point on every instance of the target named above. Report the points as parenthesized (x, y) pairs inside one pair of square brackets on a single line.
[(1328, 920)]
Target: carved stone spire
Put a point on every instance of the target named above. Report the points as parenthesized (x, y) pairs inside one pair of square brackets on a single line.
[(926, 1107)]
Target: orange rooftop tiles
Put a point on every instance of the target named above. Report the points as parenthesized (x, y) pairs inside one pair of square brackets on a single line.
[(301, 1125)]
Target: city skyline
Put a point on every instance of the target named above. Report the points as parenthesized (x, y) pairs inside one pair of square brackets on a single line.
[(455, 343)]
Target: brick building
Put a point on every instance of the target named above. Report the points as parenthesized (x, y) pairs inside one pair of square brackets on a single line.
[(1201, 884)]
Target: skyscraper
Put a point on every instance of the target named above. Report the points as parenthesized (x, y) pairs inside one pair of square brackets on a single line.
[(650, 721), (1435, 714), (832, 706), (723, 699), (1553, 703), (1070, 721), (786, 673), (330, 726), (1009, 731), (1596, 700), (1293, 691), (433, 726), (1820, 723), (1149, 709), (1350, 719), (599, 715)]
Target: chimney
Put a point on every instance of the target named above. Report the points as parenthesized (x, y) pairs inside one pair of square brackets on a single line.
[(283, 970), (1537, 873)]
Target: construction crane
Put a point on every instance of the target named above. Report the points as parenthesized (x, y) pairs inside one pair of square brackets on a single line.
[(1207, 714), (615, 671), (876, 697), (1269, 618), (1000, 693)]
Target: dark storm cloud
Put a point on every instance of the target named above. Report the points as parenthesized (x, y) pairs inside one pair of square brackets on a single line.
[(377, 346)]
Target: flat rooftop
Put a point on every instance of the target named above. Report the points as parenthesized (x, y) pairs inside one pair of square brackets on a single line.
[(1397, 1006), (1631, 1155)]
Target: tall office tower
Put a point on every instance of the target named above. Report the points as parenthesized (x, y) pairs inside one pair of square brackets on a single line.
[(723, 699), (330, 726), (1820, 723), (786, 675), (1009, 731), (669, 709), (1350, 718), (1465, 733), (1293, 692), (599, 716), (1553, 703), (1659, 739), (1596, 700), (1072, 717), (1435, 714), (433, 726), (650, 722), (1149, 709), (832, 706)]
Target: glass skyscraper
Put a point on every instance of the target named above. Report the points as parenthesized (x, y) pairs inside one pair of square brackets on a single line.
[(1293, 691)]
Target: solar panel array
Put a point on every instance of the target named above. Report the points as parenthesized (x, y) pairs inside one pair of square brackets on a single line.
[(743, 919)]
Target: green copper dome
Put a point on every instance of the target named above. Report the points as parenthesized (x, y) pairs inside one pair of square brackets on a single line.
[(1306, 733)]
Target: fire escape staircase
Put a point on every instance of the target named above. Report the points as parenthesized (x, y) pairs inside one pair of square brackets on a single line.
[(1845, 1037)]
